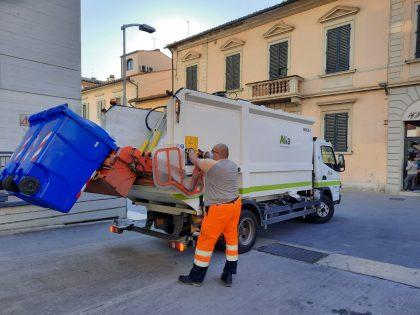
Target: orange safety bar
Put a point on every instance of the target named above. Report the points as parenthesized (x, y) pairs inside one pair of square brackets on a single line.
[(176, 170)]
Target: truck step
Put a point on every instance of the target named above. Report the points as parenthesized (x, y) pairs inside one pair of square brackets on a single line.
[(132, 225), (273, 213)]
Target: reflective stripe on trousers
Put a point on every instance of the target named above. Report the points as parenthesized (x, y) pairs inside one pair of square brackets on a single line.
[(221, 219)]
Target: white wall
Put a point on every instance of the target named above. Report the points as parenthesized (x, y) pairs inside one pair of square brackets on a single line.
[(40, 68), (39, 61)]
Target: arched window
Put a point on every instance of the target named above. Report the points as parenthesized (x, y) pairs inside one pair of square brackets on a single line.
[(130, 64)]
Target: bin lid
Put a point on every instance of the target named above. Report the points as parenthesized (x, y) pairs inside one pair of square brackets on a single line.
[(49, 114)]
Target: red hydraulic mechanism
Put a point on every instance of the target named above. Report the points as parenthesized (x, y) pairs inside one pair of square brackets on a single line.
[(119, 172)]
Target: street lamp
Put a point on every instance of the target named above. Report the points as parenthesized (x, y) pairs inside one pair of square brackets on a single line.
[(142, 27)]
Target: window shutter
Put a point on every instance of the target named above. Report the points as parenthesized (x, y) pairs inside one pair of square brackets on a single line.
[(329, 128), (418, 33), (336, 130), (233, 74), (341, 133), (191, 81), (278, 60), (189, 78), (344, 42), (338, 49), (194, 78), (274, 62)]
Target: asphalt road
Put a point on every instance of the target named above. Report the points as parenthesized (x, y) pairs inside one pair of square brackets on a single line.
[(85, 269)]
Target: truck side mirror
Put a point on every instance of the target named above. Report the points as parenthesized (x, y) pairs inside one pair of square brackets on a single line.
[(341, 163)]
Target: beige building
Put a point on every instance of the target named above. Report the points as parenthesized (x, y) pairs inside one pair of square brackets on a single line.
[(404, 90), (145, 89), (321, 58), (90, 82)]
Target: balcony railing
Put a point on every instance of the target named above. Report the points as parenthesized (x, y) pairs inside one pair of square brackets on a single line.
[(272, 90)]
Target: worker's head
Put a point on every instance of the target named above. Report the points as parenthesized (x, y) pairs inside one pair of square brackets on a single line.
[(220, 151)]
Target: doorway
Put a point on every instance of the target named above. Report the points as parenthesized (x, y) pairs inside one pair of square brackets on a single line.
[(412, 148)]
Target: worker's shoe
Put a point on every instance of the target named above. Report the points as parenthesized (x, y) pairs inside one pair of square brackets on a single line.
[(226, 278), (188, 280)]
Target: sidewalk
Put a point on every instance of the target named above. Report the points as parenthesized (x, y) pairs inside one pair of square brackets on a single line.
[(374, 226)]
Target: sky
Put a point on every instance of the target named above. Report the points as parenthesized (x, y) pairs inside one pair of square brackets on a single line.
[(102, 19)]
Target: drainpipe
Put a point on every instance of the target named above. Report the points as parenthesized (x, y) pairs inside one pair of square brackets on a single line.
[(172, 70), (137, 88)]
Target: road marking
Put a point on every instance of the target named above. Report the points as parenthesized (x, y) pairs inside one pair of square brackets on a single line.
[(377, 269), (367, 267)]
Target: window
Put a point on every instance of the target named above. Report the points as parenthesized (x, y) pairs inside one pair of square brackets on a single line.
[(130, 64), (191, 80), (336, 130), (100, 104), (233, 72), (338, 49), (279, 60), (328, 156), (418, 33), (85, 110), (146, 69)]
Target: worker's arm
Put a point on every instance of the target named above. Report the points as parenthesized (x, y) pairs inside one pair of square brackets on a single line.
[(193, 158), (203, 164)]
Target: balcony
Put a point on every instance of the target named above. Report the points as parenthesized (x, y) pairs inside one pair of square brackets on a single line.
[(287, 89)]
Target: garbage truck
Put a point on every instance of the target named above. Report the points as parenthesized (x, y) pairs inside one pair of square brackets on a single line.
[(284, 172)]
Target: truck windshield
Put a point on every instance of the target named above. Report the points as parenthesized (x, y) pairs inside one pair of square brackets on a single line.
[(328, 156)]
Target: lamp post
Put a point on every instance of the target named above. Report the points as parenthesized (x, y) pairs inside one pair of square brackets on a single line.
[(142, 27)]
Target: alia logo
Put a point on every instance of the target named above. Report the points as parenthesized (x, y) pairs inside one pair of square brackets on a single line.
[(285, 141)]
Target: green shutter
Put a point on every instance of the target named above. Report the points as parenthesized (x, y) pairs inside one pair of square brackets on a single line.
[(233, 72), (191, 80), (336, 130), (338, 49), (278, 60)]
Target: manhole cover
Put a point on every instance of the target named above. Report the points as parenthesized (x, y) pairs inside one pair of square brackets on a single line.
[(291, 252), (397, 199)]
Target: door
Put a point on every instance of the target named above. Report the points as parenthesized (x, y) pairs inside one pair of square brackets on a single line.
[(412, 148), (325, 165)]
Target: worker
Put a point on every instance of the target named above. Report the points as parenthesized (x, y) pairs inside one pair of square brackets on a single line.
[(222, 211)]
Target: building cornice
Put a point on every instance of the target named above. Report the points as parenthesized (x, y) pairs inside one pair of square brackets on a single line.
[(278, 29), (232, 43), (249, 23), (191, 55), (338, 12)]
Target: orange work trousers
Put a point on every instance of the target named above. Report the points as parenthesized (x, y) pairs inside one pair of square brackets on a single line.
[(220, 219)]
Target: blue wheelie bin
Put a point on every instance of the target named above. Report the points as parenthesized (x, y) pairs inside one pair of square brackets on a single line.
[(57, 156)]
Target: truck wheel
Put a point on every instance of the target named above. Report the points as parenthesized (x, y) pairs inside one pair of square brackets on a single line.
[(324, 212), (247, 231)]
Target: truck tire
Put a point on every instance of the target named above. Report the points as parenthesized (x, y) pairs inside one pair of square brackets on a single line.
[(247, 231), (324, 212)]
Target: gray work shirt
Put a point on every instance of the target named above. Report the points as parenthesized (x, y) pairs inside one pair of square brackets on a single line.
[(221, 181)]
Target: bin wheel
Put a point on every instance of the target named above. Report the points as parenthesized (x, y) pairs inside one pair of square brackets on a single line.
[(29, 185), (9, 184)]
